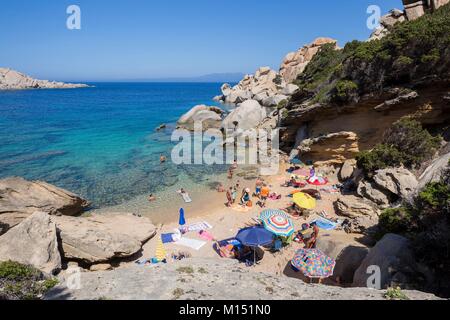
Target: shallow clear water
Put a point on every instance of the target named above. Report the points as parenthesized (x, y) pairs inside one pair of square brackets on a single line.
[(100, 142)]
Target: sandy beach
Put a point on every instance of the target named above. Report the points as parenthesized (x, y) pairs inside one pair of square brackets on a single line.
[(226, 223)]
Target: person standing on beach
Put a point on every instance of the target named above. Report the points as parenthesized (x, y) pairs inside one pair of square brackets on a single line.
[(229, 197)]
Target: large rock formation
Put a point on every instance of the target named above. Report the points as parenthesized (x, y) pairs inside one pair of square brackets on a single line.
[(33, 242), (13, 80), (20, 198), (416, 8), (333, 148), (347, 254), (207, 117), (206, 279), (362, 214), (394, 256), (100, 238), (398, 181), (248, 115), (387, 22), (434, 171), (267, 83), (295, 62)]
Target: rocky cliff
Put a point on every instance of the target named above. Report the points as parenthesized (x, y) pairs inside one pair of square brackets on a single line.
[(14, 80), (206, 279)]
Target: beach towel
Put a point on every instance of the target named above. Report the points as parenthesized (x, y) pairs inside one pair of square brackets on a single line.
[(195, 227), (325, 224), (205, 235), (167, 237), (191, 243)]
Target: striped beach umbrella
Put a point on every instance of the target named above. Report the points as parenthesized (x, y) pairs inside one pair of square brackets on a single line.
[(313, 263), (277, 222)]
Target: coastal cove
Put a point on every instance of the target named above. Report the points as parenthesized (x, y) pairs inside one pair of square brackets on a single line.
[(101, 143)]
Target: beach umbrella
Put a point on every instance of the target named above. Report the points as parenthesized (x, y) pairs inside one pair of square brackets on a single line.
[(270, 212), (317, 181), (313, 263), (304, 201), (279, 224), (254, 237), (182, 220), (160, 251)]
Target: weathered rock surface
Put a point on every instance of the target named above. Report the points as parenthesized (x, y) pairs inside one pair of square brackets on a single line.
[(295, 62), (399, 181), (248, 115), (395, 258), (275, 100), (206, 279), (33, 242), (386, 22), (20, 198), (347, 169), (368, 190), (348, 256), (207, 117), (434, 171), (13, 80), (330, 149), (100, 238), (416, 8), (351, 206)]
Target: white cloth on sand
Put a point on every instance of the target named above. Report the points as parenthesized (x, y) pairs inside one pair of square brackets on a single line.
[(191, 243)]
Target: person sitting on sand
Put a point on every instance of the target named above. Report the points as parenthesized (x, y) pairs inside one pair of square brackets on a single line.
[(151, 197), (265, 191), (220, 188), (245, 199), (258, 186), (310, 242), (162, 159), (229, 197)]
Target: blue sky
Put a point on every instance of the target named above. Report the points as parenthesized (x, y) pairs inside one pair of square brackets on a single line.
[(138, 39)]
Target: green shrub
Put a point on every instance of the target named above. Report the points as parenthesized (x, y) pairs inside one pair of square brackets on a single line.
[(395, 220), (395, 294), (381, 157), (415, 143), (345, 89), (22, 282), (405, 143), (432, 57)]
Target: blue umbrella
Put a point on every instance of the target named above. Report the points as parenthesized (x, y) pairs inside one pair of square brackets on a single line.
[(182, 221), (255, 236)]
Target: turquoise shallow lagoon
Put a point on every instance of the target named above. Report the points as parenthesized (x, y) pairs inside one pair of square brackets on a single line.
[(101, 142)]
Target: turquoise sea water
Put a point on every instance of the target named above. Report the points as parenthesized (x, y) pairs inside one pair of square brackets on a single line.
[(100, 142)]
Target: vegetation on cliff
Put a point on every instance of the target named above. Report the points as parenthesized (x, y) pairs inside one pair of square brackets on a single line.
[(405, 143), (22, 282), (426, 220), (414, 51)]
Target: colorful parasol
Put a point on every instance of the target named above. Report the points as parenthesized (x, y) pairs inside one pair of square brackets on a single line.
[(304, 201), (313, 263), (277, 222), (317, 181)]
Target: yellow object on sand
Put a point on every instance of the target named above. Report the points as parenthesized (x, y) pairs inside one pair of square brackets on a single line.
[(160, 251), (304, 201)]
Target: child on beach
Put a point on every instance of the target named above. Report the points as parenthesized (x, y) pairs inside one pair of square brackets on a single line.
[(233, 194)]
